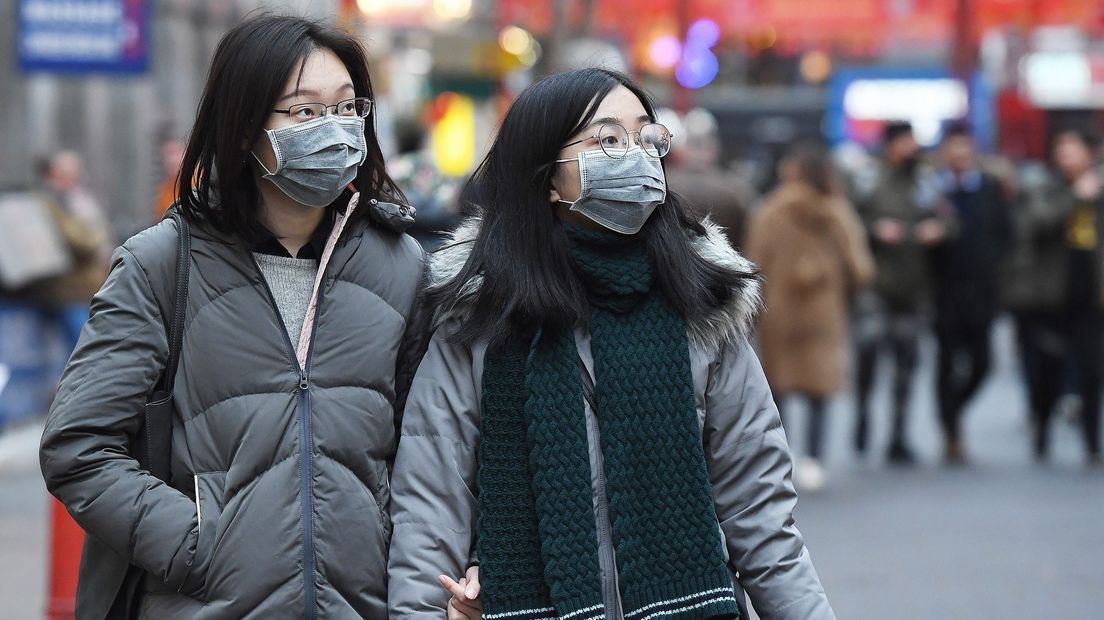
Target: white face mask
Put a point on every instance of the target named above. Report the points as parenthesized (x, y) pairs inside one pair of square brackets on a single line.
[(619, 193), (317, 159)]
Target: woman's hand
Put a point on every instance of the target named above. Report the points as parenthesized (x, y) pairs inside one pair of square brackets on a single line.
[(464, 604)]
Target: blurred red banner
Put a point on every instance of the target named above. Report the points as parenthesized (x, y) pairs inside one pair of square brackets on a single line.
[(860, 25)]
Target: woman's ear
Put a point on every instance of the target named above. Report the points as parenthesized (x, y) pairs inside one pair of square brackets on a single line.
[(553, 195)]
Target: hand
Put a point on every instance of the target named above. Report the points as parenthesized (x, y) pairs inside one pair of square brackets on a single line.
[(464, 604), (930, 232), (1087, 186), (888, 230)]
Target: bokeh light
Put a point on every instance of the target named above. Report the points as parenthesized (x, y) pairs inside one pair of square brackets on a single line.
[(665, 52), (704, 32), (698, 68), (452, 9), (764, 39), (372, 7), (515, 40), (816, 66)]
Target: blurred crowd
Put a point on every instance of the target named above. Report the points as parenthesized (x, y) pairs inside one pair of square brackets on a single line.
[(862, 260), (862, 252)]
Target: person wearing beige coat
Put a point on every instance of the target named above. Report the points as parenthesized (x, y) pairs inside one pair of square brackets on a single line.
[(813, 254)]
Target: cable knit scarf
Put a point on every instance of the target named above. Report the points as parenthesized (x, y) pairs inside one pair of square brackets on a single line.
[(537, 540)]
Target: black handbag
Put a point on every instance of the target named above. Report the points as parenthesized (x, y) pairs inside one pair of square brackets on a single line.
[(108, 586)]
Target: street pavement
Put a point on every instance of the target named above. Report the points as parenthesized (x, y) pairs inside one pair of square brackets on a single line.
[(1001, 538)]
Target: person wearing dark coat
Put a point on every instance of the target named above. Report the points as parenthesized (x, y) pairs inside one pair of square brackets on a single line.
[(966, 291), (906, 218), (1060, 262)]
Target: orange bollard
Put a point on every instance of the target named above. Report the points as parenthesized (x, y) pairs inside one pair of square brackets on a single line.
[(66, 540)]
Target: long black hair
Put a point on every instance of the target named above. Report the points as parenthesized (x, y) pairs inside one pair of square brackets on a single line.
[(521, 251), (250, 68)]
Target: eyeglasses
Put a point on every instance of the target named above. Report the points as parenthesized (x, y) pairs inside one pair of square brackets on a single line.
[(303, 112), (615, 140)]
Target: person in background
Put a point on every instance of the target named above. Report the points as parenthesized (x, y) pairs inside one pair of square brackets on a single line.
[(697, 175), (85, 230), (967, 292), (433, 194), (813, 253), (172, 154), (1062, 244), (906, 217)]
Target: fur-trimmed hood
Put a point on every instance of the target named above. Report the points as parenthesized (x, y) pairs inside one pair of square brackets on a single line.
[(734, 319)]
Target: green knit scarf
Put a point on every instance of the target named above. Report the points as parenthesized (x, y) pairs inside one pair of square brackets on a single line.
[(536, 537)]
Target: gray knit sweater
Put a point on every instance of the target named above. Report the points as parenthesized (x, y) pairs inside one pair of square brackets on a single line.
[(292, 283)]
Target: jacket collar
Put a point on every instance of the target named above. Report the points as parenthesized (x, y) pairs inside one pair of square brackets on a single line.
[(729, 321)]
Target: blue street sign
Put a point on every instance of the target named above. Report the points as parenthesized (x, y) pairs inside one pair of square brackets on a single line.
[(83, 36)]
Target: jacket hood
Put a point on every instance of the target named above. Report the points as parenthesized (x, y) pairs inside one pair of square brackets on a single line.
[(728, 321)]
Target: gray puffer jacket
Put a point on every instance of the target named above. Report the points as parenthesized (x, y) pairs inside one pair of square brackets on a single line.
[(434, 483), (279, 496)]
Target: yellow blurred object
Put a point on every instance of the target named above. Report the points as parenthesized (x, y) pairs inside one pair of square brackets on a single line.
[(765, 38), (1081, 234), (816, 66), (453, 137), (515, 40), (372, 7), (452, 9), (166, 195)]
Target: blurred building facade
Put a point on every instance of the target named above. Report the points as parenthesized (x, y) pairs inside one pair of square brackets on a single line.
[(770, 71)]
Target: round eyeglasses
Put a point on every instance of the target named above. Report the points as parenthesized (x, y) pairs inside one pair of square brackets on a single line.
[(615, 140), (303, 112)]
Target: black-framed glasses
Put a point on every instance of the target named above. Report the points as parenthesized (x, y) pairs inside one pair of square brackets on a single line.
[(654, 138), (303, 112)]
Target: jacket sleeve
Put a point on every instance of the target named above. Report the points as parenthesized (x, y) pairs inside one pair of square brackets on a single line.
[(749, 467), (1047, 212), (99, 404), (433, 487), (413, 347)]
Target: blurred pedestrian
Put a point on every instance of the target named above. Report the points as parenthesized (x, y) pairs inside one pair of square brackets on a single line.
[(967, 291), (171, 155), (433, 194), (698, 176), (813, 253), (1062, 245), (85, 230), (905, 217), (300, 339), (590, 423)]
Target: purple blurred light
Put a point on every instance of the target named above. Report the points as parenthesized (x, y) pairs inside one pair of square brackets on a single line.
[(698, 68), (704, 32)]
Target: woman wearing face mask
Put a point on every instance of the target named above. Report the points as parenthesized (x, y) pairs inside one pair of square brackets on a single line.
[(299, 328), (590, 435)]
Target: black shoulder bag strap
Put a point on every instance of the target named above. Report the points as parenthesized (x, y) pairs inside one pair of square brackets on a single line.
[(157, 455)]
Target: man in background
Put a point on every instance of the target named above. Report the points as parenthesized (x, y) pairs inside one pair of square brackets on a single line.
[(84, 228), (698, 176), (966, 283), (906, 217)]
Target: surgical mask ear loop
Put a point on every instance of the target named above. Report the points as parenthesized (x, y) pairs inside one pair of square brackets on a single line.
[(263, 167)]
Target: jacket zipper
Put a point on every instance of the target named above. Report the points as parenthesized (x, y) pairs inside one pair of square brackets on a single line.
[(306, 451), (611, 589)]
